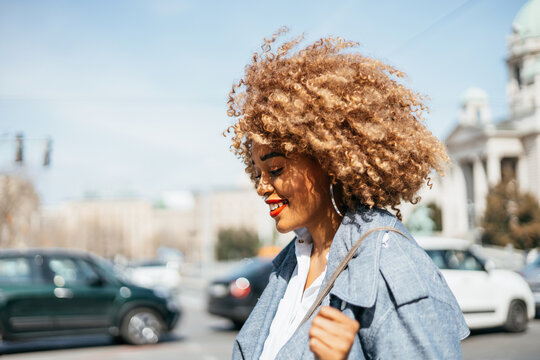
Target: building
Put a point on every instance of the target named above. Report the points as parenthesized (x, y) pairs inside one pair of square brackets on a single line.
[(106, 227), (483, 152)]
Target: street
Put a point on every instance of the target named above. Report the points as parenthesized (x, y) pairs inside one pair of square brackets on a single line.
[(205, 337)]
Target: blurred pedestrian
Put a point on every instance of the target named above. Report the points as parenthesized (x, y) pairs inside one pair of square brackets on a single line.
[(331, 140)]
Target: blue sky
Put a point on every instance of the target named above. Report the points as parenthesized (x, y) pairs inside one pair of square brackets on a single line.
[(134, 93)]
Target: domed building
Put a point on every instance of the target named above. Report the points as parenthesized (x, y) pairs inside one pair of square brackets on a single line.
[(483, 152)]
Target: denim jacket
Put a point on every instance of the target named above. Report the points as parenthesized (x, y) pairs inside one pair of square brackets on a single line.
[(395, 291)]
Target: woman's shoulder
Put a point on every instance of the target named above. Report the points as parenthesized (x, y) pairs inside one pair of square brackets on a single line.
[(409, 272)]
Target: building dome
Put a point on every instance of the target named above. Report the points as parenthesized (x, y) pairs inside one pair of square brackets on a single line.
[(474, 94), (526, 23)]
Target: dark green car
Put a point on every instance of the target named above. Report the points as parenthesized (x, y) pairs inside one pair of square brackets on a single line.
[(49, 292)]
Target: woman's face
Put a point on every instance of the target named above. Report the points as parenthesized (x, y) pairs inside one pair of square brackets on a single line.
[(295, 188)]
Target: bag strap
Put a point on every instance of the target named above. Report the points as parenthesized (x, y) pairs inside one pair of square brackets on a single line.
[(342, 265)]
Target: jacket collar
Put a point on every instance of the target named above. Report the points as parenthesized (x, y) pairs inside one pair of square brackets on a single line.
[(253, 334)]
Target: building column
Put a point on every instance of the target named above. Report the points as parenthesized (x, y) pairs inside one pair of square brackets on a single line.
[(454, 208), (480, 188), (493, 169)]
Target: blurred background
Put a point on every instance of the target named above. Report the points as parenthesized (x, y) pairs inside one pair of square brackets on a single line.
[(111, 121)]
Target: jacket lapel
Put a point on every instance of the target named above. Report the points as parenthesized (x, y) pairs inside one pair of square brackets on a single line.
[(255, 331)]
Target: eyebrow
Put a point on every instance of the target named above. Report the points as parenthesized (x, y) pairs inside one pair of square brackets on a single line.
[(271, 155)]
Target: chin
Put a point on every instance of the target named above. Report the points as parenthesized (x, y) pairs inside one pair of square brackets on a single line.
[(283, 228)]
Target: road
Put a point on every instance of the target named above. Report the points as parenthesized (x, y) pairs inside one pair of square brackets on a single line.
[(205, 337)]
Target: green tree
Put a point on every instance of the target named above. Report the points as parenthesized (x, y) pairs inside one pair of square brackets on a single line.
[(435, 213), (236, 243), (511, 217)]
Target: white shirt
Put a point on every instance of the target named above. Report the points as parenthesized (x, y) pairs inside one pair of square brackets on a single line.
[(295, 303)]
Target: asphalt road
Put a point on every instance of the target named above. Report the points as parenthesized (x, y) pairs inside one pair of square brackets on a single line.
[(205, 337)]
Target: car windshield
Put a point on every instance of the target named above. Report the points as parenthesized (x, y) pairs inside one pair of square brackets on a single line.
[(111, 271), (449, 259), (535, 264)]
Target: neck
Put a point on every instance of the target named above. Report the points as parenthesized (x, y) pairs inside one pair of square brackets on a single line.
[(323, 230)]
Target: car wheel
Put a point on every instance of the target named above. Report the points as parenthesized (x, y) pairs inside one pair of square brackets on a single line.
[(517, 319), (142, 326)]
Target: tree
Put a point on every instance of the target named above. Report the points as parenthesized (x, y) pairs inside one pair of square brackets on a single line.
[(435, 213), (19, 203), (236, 243), (511, 217)]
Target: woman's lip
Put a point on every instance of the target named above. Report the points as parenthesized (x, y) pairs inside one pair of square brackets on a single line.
[(275, 201), (276, 212)]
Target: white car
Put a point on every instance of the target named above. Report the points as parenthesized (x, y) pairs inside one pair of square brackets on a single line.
[(155, 274), (487, 296)]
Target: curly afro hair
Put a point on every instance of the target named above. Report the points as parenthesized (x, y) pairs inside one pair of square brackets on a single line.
[(347, 111)]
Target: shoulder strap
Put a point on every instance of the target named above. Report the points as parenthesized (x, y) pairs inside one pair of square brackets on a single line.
[(342, 265)]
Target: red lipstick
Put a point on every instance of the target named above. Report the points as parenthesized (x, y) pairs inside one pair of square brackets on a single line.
[(275, 212)]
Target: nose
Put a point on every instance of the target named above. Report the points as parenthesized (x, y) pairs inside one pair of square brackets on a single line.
[(264, 188)]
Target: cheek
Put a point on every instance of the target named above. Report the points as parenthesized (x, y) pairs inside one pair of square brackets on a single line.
[(303, 194)]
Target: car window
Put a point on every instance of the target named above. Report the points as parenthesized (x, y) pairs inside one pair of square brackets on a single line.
[(455, 260), (438, 258), (15, 270), (67, 271)]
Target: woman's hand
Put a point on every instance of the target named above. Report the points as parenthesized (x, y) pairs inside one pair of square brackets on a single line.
[(332, 334)]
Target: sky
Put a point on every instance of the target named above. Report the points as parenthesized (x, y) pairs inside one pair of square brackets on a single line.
[(133, 93)]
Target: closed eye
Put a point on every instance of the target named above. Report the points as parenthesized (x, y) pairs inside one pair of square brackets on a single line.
[(276, 172)]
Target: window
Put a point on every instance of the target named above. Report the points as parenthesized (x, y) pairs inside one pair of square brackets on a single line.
[(15, 270), (509, 168), (67, 271), (455, 260)]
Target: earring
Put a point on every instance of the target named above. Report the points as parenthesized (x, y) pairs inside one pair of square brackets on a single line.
[(333, 200)]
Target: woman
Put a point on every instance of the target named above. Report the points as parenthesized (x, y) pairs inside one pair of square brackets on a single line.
[(331, 139)]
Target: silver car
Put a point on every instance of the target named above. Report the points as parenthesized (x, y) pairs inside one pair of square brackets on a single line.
[(531, 273)]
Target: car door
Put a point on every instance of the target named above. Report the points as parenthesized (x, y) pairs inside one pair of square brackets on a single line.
[(83, 298), (470, 282), (23, 296)]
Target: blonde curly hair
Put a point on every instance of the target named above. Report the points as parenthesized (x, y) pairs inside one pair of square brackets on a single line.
[(347, 111)]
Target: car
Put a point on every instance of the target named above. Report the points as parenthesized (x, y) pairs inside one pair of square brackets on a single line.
[(155, 274), (488, 297), (234, 295), (531, 273), (50, 292)]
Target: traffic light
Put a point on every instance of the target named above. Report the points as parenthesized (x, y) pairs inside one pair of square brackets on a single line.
[(19, 154), (47, 153)]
